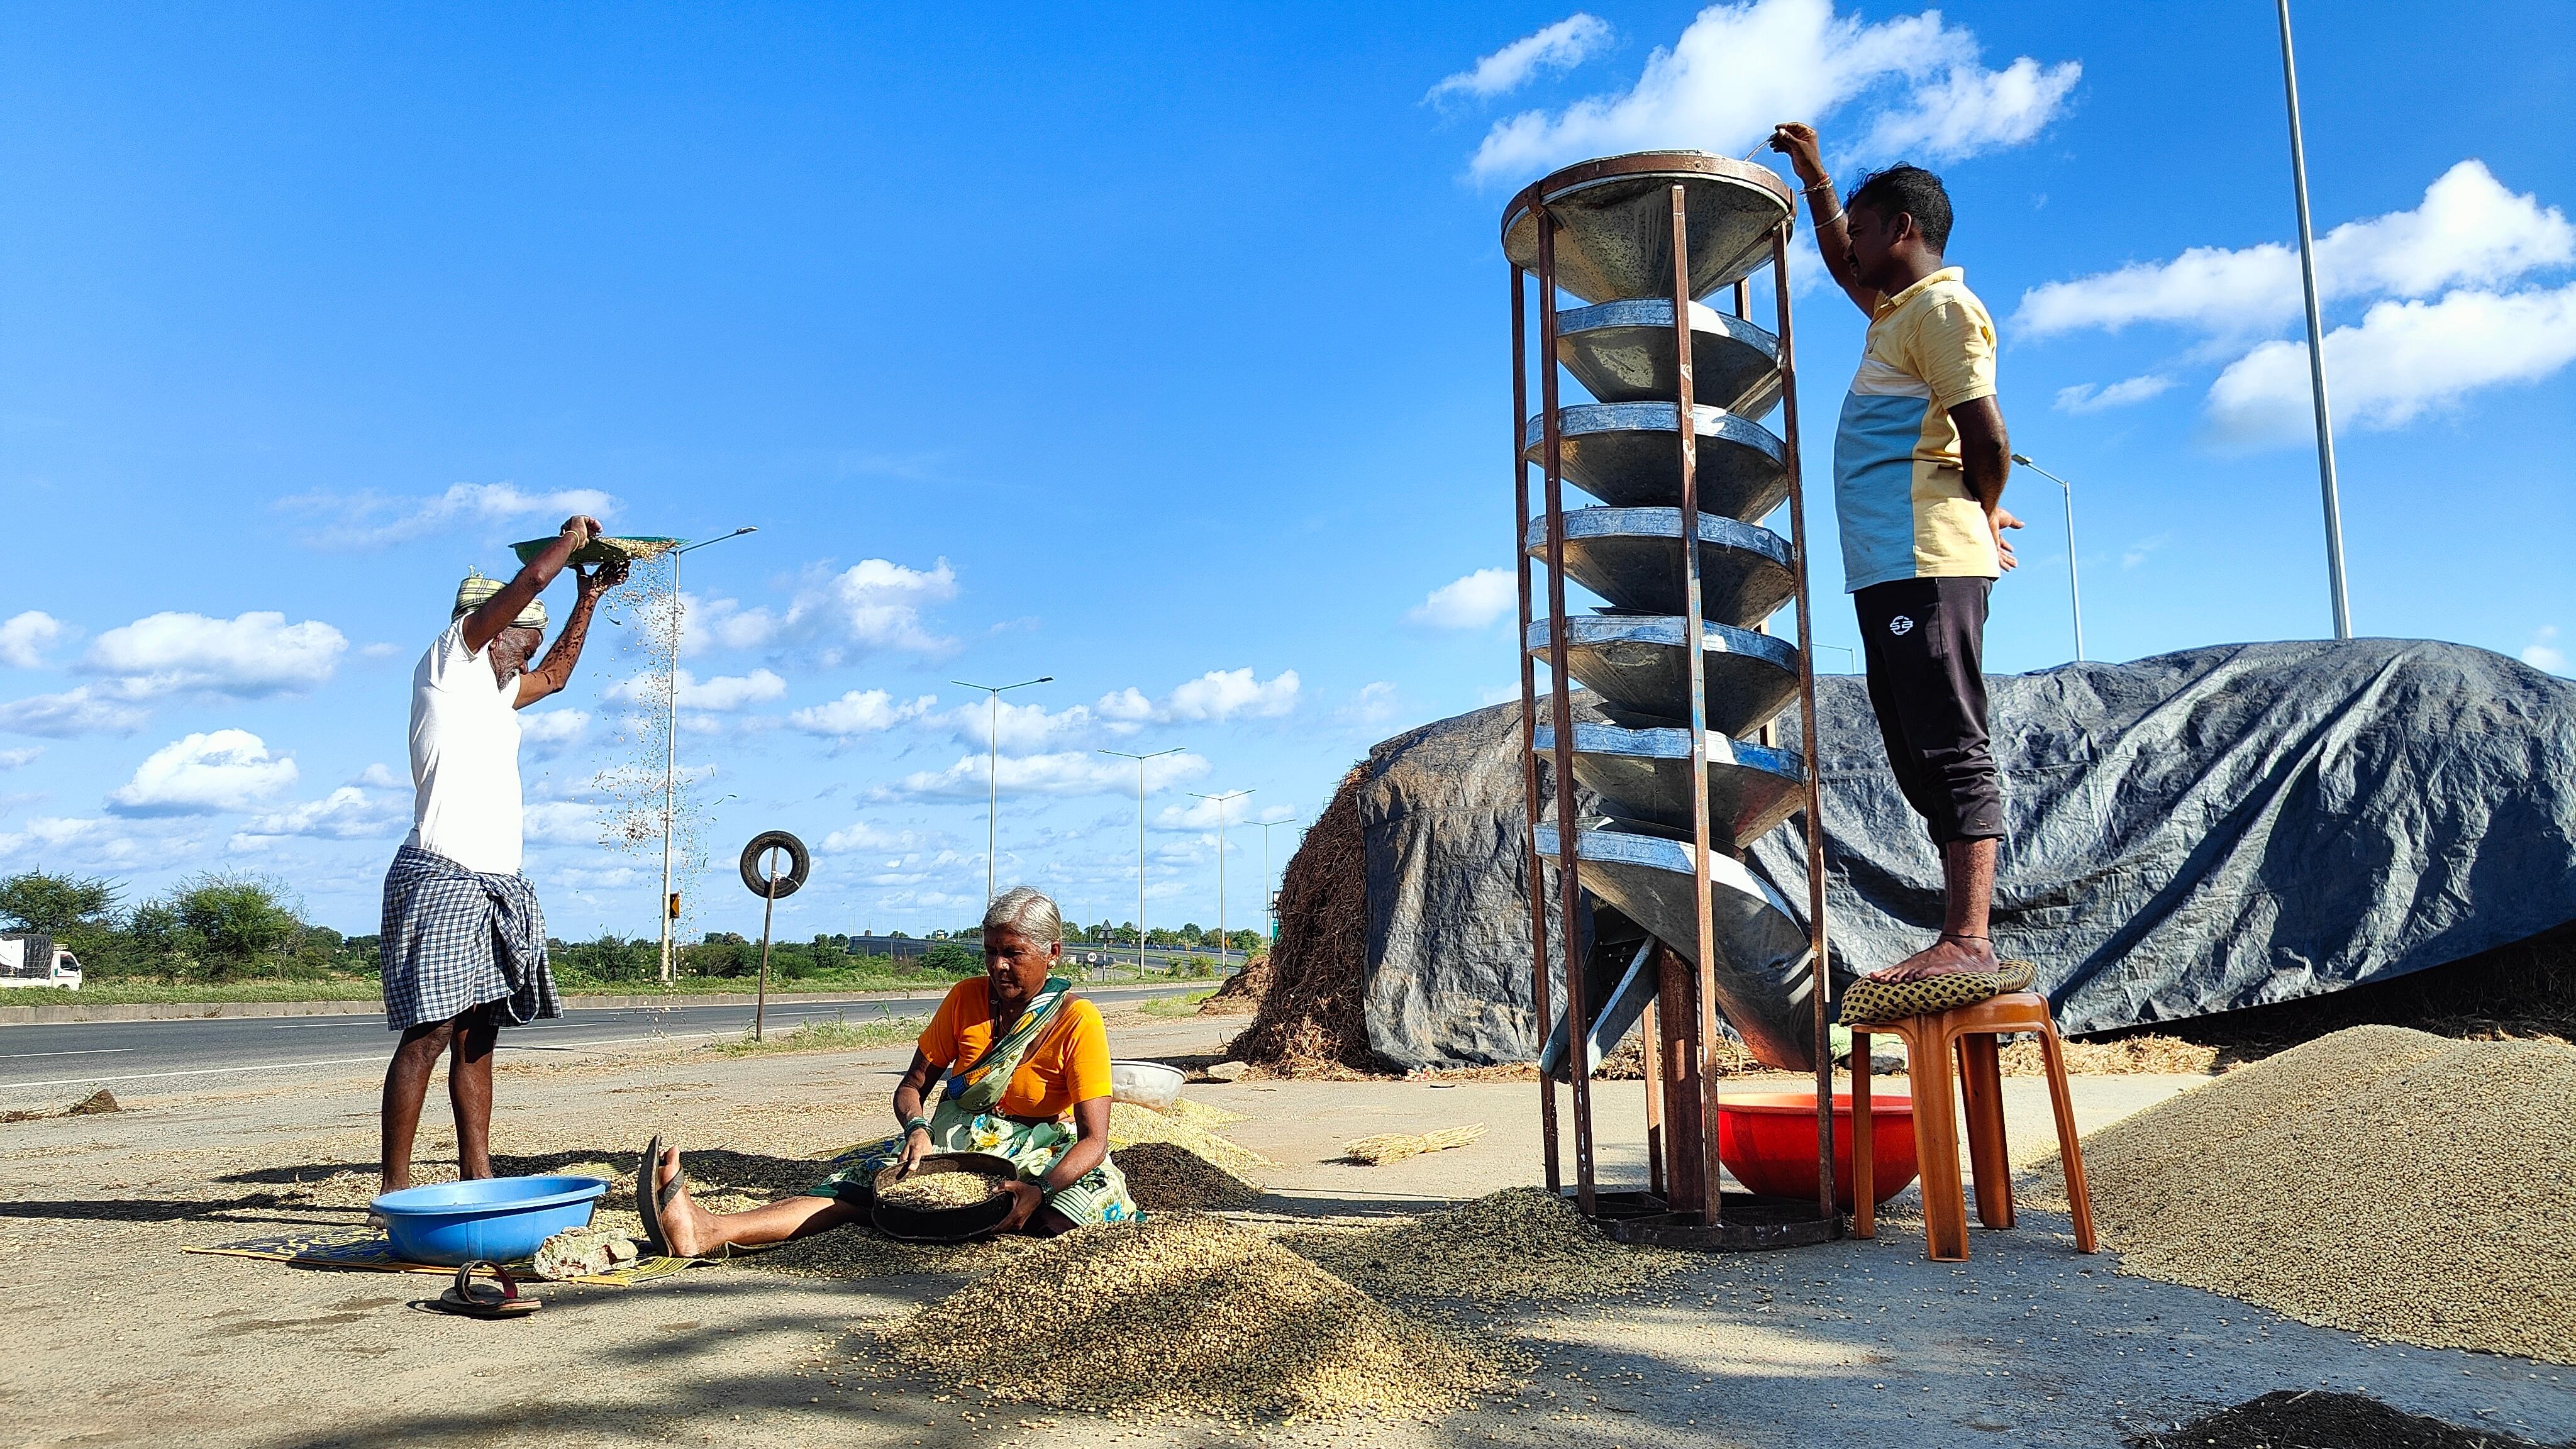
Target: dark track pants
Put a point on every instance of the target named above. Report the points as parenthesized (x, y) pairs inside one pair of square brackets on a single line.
[(1924, 641)]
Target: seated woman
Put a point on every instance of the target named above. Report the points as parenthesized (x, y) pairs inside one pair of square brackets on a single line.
[(1023, 1072)]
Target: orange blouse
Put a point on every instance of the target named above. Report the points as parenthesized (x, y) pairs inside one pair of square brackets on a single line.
[(1068, 1063)]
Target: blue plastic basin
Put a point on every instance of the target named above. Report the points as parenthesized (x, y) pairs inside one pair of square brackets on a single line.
[(495, 1219)]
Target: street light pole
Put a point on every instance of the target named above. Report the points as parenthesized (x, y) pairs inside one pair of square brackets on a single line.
[(1224, 944), (1269, 912), (2316, 342), (1140, 843), (993, 767), (670, 911), (2074, 598)]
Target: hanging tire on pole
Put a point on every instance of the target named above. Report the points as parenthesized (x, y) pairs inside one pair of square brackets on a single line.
[(755, 874), (755, 864)]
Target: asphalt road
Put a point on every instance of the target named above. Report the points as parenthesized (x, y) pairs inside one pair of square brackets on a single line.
[(48, 1060)]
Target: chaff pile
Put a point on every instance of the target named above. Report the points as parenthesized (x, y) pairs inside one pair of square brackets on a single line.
[(1130, 1124), (1167, 1177), (1311, 1020), (1388, 1147), (2379, 1180), (1520, 1243), (1191, 1314)]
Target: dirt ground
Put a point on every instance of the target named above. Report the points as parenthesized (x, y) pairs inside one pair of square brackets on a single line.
[(119, 1338)]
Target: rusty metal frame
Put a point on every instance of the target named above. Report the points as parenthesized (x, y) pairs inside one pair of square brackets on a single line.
[(1539, 995), (1632, 1216)]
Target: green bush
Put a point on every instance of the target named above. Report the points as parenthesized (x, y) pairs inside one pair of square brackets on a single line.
[(948, 958)]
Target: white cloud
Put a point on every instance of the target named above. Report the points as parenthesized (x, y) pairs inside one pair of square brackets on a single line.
[(384, 777), (2543, 651), (69, 714), (372, 520), (24, 638), (1068, 772), (544, 727), (1027, 728), (870, 606), (48, 830), (2138, 553), (858, 713), (1221, 695), (255, 654), (1972, 109), (859, 835), (725, 692), (1474, 602), (1373, 704), (2468, 230), (1559, 47), (1201, 815), (347, 813), (204, 773), (2403, 359), (19, 759), (1738, 69), (562, 822), (1125, 707), (2085, 397)]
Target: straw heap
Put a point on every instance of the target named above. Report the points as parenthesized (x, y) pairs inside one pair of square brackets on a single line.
[(1397, 1146), (2379, 1180), (1191, 1314)]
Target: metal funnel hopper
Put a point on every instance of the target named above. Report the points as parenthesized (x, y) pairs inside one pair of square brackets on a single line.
[(1642, 777), (1633, 558), (1629, 455), (1614, 222), (1636, 667), (1762, 981), (1623, 352)]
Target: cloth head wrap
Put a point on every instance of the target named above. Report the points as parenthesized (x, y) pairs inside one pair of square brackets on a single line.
[(471, 594)]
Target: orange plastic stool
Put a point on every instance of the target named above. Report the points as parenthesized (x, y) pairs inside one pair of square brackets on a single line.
[(1930, 1041)]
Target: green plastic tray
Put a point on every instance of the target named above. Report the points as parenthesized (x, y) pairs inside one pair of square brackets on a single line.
[(601, 549)]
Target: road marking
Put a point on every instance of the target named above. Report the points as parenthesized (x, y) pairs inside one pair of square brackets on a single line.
[(88, 1052)]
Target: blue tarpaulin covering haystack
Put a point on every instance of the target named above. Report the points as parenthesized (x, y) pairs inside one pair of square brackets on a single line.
[(2188, 834)]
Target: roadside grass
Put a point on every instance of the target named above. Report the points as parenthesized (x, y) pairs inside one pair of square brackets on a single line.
[(825, 1036), (1184, 1004), (131, 991)]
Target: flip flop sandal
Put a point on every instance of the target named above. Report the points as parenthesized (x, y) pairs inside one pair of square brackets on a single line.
[(649, 1201), (475, 1300)]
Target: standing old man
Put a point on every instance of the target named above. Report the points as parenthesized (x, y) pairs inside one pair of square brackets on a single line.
[(464, 945)]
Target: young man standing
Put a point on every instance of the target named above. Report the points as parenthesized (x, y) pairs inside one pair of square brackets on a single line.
[(464, 944), (1920, 460)]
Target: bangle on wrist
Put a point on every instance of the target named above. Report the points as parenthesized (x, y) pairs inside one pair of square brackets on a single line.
[(915, 1124), (1829, 221)]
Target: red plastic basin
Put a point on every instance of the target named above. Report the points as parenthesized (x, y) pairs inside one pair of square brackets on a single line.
[(1768, 1140)]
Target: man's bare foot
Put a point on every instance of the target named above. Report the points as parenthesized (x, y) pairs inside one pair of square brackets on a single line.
[(1945, 957), (684, 1224)]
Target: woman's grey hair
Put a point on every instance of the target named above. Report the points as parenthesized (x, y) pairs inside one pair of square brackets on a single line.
[(1027, 911)]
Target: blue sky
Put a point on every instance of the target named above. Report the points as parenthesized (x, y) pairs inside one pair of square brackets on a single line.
[(1162, 351)]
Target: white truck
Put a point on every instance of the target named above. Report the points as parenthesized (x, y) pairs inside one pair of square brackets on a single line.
[(30, 958)]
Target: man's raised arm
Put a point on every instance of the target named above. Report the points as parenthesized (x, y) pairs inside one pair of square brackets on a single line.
[(495, 613), (1797, 141)]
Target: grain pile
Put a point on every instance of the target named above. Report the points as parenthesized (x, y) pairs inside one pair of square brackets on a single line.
[(2378, 1180), (1520, 1243), (1167, 1177), (1310, 1020), (1183, 1313), (1200, 1114), (2118, 1057), (932, 1191), (860, 1251), (1130, 1124)]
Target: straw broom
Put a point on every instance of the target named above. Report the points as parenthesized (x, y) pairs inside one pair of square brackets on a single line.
[(1396, 1146)]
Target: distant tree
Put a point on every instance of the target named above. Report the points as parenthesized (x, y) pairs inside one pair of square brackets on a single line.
[(38, 901), (951, 959)]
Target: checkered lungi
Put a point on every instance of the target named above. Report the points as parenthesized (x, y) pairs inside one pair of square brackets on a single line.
[(456, 939)]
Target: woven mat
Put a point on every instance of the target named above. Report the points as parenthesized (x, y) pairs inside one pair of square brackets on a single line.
[(366, 1251)]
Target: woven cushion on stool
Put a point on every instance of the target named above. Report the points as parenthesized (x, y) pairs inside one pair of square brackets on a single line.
[(1870, 1003)]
